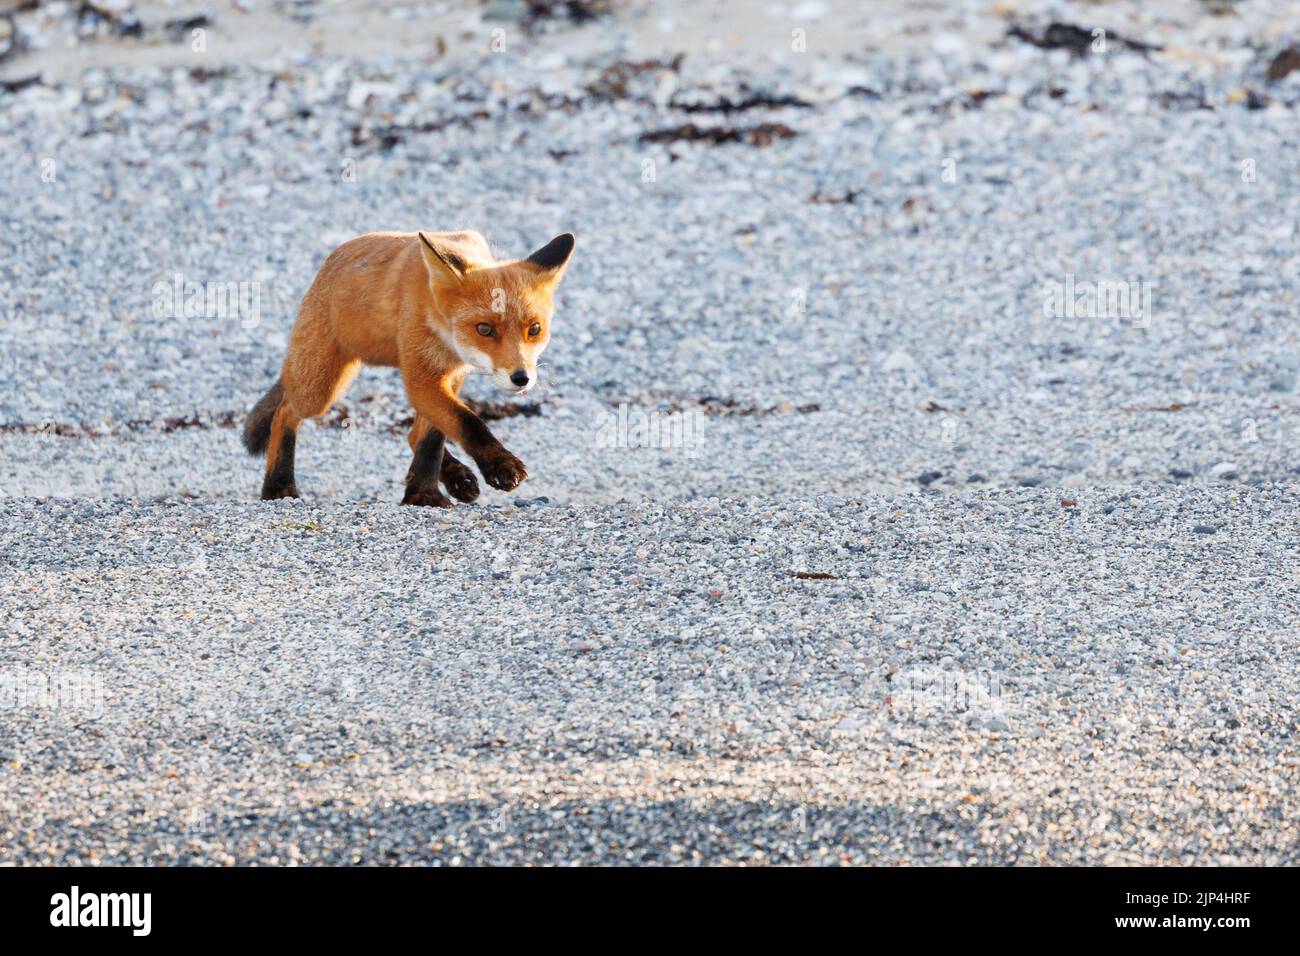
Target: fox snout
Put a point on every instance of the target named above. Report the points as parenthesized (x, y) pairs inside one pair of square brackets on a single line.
[(515, 381)]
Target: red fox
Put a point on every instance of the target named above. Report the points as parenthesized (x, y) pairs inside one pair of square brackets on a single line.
[(434, 305)]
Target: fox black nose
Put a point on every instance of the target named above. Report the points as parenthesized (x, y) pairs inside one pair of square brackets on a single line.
[(519, 377)]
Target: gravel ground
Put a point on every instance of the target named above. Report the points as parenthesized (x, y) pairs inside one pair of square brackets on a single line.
[(982, 679), (927, 574)]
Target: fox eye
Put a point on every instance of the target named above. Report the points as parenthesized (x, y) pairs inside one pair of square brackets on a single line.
[(535, 329), (484, 329)]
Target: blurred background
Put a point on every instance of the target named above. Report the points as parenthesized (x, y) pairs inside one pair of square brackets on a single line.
[(825, 228)]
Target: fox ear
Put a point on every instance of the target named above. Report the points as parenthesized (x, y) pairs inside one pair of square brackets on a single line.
[(441, 259), (553, 257)]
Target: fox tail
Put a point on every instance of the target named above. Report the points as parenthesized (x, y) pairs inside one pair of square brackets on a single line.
[(257, 426)]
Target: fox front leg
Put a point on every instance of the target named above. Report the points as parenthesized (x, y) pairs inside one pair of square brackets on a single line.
[(436, 401), (499, 467), (455, 476), (458, 479), (422, 478)]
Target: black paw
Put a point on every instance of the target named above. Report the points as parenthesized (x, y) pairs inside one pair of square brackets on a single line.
[(278, 492), (459, 481), (428, 499), (503, 471)]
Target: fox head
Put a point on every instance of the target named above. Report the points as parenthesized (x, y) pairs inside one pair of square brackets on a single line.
[(496, 315)]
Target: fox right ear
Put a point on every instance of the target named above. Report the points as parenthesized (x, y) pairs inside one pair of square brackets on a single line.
[(553, 258), (440, 260)]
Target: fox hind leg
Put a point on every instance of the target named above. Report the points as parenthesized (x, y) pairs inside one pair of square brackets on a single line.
[(308, 392), (279, 480)]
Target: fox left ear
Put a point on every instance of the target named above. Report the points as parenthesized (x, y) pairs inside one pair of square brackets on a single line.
[(553, 257), (438, 259)]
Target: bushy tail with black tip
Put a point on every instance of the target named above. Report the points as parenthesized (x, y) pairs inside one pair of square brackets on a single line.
[(257, 426)]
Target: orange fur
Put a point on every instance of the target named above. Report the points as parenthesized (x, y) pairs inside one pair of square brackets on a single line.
[(420, 302)]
